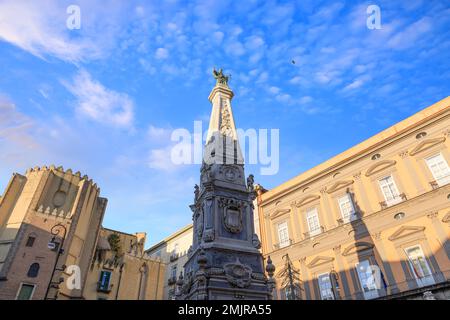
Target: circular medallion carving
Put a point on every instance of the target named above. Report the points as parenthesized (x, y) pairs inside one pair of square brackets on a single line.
[(59, 199), (230, 174)]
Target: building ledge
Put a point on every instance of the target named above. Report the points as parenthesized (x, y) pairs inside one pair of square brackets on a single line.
[(413, 292), (363, 218)]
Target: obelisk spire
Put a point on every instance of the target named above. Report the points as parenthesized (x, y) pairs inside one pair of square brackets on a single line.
[(221, 124), (224, 261)]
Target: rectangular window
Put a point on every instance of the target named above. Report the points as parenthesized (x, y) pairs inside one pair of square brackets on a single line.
[(389, 190), (312, 218), (30, 241), (283, 234), (325, 287), (173, 272), (439, 168), (347, 208), (104, 281), (291, 293), (25, 292), (419, 266), (368, 279)]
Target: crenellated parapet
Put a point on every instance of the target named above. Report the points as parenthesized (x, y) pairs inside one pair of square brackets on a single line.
[(57, 190), (57, 170)]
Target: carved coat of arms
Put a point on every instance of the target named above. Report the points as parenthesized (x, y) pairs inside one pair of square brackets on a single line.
[(233, 219), (232, 214), (238, 274)]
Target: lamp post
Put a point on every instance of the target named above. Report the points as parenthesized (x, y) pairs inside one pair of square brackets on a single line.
[(55, 230)]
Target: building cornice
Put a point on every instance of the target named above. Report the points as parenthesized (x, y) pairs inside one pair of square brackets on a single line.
[(387, 137)]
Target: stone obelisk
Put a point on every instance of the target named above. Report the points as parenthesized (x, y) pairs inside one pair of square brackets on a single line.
[(224, 261)]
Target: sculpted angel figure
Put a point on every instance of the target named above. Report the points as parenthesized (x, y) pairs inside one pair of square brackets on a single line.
[(220, 77)]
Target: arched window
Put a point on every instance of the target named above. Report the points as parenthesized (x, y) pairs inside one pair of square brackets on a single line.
[(33, 271)]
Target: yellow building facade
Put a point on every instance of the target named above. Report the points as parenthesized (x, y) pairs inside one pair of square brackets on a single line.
[(370, 223)]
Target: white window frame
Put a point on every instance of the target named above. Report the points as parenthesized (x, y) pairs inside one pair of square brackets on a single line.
[(371, 293), (28, 284), (313, 214), (395, 195), (172, 268), (346, 198), (327, 274), (445, 179), (422, 281), (283, 234)]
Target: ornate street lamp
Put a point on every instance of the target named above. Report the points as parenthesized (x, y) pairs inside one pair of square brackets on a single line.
[(52, 244)]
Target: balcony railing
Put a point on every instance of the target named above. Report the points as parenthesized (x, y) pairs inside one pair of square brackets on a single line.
[(172, 280), (283, 244), (401, 197), (314, 233), (106, 288), (173, 257)]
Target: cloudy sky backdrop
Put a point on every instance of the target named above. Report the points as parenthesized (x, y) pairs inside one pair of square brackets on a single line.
[(104, 99)]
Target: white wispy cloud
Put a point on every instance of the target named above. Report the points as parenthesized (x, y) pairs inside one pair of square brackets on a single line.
[(39, 27), (15, 127), (160, 159), (100, 104), (161, 53), (410, 35), (157, 134), (357, 83)]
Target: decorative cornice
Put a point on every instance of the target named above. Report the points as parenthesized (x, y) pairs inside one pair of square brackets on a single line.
[(319, 260), (306, 200), (220, 89), (446, 218), (339, 185), (435, 112), (405, 231), (357, 247), (426, 144), (380, 166), (278, 213)]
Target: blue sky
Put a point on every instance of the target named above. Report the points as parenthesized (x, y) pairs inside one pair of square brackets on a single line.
[(104, 99)]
